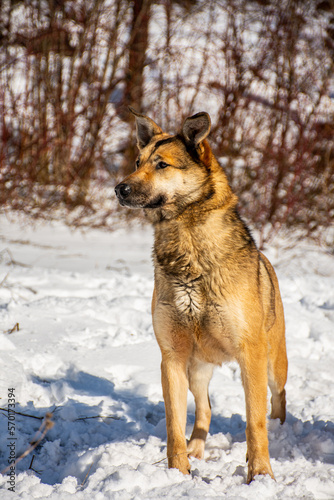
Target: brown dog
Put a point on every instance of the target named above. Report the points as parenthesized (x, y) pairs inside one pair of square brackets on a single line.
[(216, 297)]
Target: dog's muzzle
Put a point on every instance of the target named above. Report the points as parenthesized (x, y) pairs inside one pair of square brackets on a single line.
[(122, 191)]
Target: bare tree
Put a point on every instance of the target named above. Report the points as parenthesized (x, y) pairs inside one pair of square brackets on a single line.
[(263, 69), (59, 65), (133, 85), (275, 129)]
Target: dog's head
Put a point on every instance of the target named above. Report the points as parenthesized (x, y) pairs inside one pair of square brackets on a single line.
[(172, 172)]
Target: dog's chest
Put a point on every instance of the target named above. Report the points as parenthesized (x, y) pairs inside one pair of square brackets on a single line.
[(189, 297), (208, 322), (185, 270)]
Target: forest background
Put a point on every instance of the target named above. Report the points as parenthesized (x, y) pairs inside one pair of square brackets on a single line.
[(263, 69)]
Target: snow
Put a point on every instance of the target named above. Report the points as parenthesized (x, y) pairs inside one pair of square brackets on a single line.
[(85, 350)]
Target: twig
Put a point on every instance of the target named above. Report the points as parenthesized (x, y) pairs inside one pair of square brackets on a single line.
[(22, 414), (4, 279), (172, 456), (31, 467), (46, 425), (75, 420), (12, 260), (15, 328), (84, 480), (97, 416), (12, 285)]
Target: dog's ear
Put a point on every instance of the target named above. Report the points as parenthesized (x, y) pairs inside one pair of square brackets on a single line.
[(196, 128), (146, 129)]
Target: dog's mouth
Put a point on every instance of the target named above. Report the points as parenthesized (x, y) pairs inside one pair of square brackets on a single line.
[(130, 196), (159, 201)]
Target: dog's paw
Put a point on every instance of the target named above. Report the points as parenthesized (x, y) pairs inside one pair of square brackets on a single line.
[(258, 467), (196, 448), (181, 462)]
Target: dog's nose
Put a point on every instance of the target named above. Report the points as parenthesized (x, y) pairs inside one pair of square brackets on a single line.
[(122, 191)]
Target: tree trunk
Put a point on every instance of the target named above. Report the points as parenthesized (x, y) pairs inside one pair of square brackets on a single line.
[(134, 75)]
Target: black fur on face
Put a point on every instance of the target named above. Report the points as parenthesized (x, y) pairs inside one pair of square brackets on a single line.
[(158, 202)]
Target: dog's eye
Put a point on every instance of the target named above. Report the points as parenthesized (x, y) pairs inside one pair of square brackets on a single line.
[(161, 165), (137, 163)]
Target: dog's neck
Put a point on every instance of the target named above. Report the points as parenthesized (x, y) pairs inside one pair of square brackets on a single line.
[(219, 197), (188, 247), (187, 244)]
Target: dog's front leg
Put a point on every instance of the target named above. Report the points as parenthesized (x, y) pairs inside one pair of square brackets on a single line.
[(175, 386), (253, 364), (200, 374)]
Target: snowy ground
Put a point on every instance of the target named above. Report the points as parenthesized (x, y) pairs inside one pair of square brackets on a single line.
[(85, 350)]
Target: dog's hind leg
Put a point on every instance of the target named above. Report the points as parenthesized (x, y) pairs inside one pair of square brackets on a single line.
[(277, 359), (277, 375), (278, 402), (253, 364), (199, 375)]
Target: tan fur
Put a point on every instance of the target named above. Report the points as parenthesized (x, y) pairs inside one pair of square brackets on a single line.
[(216, 297)]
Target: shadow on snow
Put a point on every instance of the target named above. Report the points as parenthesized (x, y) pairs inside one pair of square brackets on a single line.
[(77, 429)]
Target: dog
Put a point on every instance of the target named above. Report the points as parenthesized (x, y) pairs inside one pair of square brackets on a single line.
[(216, 296)]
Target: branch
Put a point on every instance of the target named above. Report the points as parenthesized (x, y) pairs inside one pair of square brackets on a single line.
[(46, 425)]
